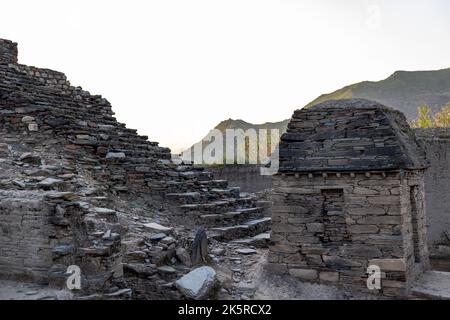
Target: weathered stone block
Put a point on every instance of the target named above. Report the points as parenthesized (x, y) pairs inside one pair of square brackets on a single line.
[(284, 248), (380, 220), (363, 251), (389, 264), (338, 262), (369, 229), (365, 191), (329, 276), (384, 200), (304, 274), (315, 227)]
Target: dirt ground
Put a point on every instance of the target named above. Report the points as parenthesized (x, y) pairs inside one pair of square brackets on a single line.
[(11, 290)]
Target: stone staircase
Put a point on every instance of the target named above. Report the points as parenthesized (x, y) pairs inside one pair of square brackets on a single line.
[(42, 106), (223, 211)]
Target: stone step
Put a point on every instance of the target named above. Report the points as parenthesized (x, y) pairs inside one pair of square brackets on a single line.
[(220, 184), (199, 175), (210, 207), (261, 240), (188, 167), (248, 229), (432, 285), (237, 216), (185, 197), (245, 201), (233, 192), (217, 207)]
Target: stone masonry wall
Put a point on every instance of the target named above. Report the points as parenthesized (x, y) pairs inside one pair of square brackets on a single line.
[(8, 51), (414, 224), (329, 228), (436, 143), (41, 234), (247, 177), (42, 103), (25, 244)]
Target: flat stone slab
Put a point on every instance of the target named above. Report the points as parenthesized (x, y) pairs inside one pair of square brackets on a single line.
[(166, 269), (433, 285), (258, 221), (50, 182), (158, 237), (157, 227), (115, 155), (247, 251), (260, 240)]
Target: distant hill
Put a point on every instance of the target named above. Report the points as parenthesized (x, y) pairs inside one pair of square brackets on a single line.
[(239, 124), (403, 90)]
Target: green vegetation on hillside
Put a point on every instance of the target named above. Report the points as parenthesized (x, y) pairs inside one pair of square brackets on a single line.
[(426, 119)]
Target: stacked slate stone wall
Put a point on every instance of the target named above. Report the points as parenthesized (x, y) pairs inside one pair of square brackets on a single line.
[(42, 233), (350, 195), (331, 228), (8, 51), (40, 104), (57, 137), (342, 135), (25, 247)]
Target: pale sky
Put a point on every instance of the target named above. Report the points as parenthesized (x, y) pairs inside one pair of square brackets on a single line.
[(173, 69)]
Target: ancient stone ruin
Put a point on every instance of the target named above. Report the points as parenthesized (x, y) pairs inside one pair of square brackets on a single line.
[(79, 188), (350, 194)]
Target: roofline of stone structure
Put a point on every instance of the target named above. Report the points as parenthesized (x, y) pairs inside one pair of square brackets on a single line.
[(411, 153), (411, 157), (349, 171), (368, 104), (343, 170)]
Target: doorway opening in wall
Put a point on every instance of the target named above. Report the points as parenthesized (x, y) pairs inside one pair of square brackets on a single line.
[(413, 196), (335, 227)]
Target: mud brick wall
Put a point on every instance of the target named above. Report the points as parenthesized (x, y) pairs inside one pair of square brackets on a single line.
[(330, 228), (8, 51)]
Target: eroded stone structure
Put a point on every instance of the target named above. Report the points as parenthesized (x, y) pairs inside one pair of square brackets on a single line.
[(350, 194), (79, 188)]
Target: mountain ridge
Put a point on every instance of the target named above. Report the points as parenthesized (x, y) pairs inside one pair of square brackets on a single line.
[(402, 90)]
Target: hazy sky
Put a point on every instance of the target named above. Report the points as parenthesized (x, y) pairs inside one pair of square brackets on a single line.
[(174, 69)]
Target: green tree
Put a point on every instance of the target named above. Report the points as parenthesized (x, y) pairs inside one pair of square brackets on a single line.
[(442, 118), (424, 119)]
